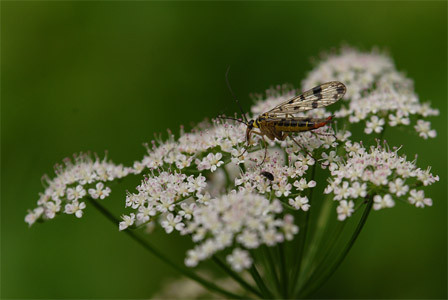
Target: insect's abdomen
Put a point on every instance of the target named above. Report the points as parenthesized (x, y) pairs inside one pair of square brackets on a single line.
[(298, 124)]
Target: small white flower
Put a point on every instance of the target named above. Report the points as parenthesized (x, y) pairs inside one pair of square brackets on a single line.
[(426, 177), (196, 184), (75, 208), (187, 210), (330, 160), (382, 202), (271, 237), (145, 213), (238, 155), (418, 199), (172, 223), (353, 148), (204, 198), (58, 189), (343, 135), (426, 110), (395, 120), (249, 239), (375, 125), (192, 258), (358, 190), (210, 162), (300, 203), (100, 191), (33, 215), (165, 204), (424, 129), (342, 192), (302, 184), (51, 208), (76, 194), (283, 188), (127, 221), (182, 161), (305, 160), (239, 260), (345, 209), (398, 188), (289, 228)]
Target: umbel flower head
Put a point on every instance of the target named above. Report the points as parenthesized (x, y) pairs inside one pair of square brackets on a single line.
[(380, 171), (231, 199), (64, 193)]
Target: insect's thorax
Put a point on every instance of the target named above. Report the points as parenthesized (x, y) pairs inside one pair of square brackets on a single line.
[(261, 120)]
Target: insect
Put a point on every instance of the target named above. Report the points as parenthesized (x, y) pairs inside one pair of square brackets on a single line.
[(268, 175), (279, 122)]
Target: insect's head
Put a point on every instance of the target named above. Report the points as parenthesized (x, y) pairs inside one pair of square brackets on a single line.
[(251, 124)]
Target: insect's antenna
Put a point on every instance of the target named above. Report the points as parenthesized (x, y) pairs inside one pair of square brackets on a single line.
[(233, 95)]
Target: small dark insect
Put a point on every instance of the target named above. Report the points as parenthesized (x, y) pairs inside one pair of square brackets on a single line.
[(268, 175)]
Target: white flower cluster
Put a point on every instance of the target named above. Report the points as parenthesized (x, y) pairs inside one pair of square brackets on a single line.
[(182, 198), (243, 218), (208, 150), (376, 91), (285, 182), (380, 172), (72, 183), (207, 185), (160, 194), (183, 153)]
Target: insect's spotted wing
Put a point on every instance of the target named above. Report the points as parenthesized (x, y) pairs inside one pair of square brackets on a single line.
[(319, 96)]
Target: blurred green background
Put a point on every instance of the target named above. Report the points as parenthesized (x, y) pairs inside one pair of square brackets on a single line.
[(79, 76)]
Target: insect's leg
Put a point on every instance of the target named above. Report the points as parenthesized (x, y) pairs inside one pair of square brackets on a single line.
[(324, 134), (302, 148), (286, 134), (265, 151), (247, 146), (265, 146), (245, 150), (328, 123)]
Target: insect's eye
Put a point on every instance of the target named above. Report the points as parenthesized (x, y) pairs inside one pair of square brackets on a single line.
[(251, 123)]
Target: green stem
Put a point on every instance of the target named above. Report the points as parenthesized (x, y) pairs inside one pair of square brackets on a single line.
[(272, 267), (259, 281), (341, 258), (283, 272), (383, 132), (235, 276), (302, 240), (323, 217), (227, 175), (208, 285), (321, 265)]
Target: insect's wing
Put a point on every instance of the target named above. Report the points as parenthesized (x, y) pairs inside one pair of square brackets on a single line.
[(319, 96)]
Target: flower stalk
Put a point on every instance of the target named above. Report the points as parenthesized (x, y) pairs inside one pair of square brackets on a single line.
[(145, 244), (317, 283)]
